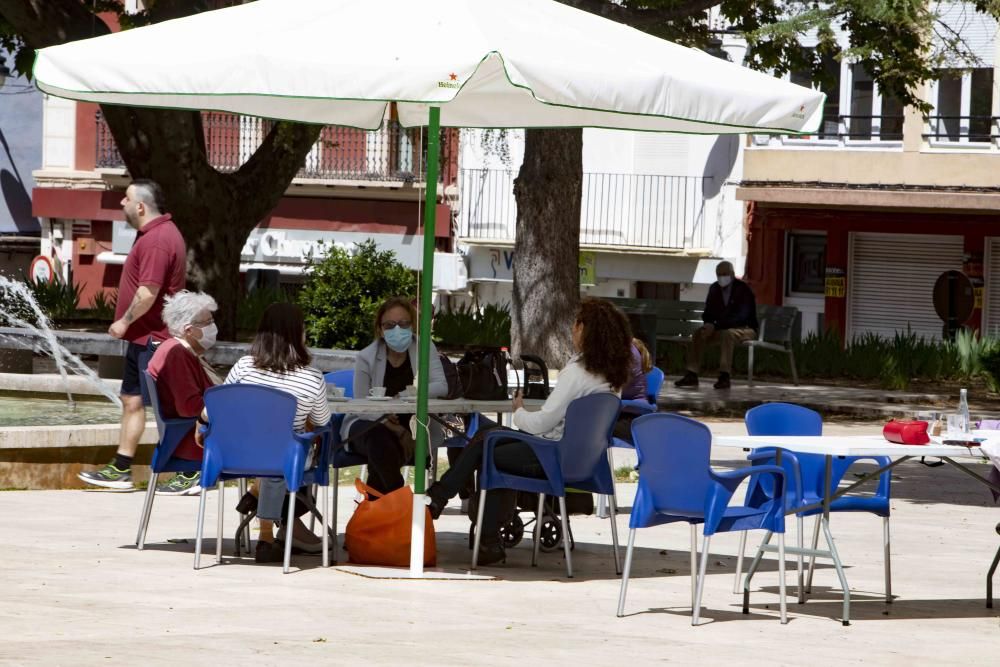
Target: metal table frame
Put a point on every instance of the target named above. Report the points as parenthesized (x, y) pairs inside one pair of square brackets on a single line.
[(842, 447)]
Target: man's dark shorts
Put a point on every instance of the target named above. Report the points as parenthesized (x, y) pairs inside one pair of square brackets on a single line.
[(136, 360)]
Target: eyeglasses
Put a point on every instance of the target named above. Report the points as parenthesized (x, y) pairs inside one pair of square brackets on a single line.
[(389, 324)]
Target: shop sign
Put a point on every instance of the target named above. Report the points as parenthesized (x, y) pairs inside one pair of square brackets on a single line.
[(835, 284)]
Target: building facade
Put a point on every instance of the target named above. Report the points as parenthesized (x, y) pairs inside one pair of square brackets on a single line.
[(855, 224)]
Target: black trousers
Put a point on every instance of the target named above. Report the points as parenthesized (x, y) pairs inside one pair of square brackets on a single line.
[(512, 456), (382, 449)]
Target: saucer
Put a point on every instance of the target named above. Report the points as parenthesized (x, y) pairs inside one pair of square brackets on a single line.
[(380, 398)]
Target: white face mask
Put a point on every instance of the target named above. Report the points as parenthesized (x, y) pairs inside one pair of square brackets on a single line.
[(208, 336), (724, 281)]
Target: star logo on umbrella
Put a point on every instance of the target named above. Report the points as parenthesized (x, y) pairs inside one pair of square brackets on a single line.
[(453, 77)]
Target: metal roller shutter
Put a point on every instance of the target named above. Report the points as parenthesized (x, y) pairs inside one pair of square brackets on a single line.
[(891, 281), (991, 314)]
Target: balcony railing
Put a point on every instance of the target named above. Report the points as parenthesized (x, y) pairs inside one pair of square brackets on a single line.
[(391, 153), (635, 210), (853, 129), (966, 129)]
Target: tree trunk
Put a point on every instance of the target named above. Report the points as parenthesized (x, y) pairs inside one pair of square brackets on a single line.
[(547, 245)]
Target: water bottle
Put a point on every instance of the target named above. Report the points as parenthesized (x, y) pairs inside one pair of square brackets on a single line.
[(963, 410)]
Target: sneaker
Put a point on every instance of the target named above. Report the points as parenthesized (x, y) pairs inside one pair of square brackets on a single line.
[(723, 382), (689, 380), (181, 485), (109, 477)]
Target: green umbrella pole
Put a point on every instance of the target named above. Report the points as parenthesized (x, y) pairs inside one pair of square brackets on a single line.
[(426, 295)]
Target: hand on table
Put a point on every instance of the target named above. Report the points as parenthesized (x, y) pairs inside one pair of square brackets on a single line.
[(518, 400)]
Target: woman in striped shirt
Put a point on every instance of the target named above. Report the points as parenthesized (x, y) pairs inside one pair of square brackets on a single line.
[(278, 358)]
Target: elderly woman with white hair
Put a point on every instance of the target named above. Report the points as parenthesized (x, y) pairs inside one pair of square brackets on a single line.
[(182, 374)]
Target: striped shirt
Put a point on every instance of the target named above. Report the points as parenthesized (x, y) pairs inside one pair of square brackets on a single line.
[(306, 384)]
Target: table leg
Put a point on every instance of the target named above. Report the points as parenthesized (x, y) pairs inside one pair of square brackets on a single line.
[(753, 568), (827, 492)]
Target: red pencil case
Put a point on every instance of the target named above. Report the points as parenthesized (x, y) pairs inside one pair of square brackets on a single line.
[(906, 432)]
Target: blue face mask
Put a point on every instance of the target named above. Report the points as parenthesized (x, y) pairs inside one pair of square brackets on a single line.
[(398, 339)]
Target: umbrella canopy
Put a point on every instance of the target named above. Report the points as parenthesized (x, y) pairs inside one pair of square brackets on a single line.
[(523, 63), (457, 63)]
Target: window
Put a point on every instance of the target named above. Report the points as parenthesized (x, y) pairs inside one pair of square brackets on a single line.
[(981, 104), (964, 104), (863, 120), (660, 291), (806, 264), (829, 84), (947, 122)]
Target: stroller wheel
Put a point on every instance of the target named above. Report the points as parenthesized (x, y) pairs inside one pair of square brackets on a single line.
[(512, 533), (551, 534)]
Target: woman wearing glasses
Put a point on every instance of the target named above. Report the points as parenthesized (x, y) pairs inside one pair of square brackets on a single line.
[(389, 362)]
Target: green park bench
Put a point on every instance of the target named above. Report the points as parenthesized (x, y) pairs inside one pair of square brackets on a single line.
[(676, 322)]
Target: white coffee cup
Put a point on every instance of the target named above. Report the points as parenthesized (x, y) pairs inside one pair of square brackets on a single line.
[(377, 392), (333, 391)]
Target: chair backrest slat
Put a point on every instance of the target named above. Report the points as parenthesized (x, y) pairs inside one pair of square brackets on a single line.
[(587, 435), (343, 378), (154, 400), (250, 427), (674, 454)]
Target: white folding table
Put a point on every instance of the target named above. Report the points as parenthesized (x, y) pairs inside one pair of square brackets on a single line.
[(844, 446)]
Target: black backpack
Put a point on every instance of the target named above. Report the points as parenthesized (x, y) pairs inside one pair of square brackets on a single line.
[(482, 374), (452, 378)]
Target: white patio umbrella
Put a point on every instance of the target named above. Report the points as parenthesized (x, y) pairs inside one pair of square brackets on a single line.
[(452, 63)]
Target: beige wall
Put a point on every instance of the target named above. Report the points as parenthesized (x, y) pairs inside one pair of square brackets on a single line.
[(840, 165)]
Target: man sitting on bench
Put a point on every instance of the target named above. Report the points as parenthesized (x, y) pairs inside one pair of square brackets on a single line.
[(730, 318)]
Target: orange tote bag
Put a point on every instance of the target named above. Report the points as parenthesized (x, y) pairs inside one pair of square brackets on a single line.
[(379, 531)]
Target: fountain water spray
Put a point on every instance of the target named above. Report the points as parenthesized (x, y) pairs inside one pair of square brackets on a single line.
[(59, 354)]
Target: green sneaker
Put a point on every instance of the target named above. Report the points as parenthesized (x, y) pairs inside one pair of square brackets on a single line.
[(182, 484), (109, 477)]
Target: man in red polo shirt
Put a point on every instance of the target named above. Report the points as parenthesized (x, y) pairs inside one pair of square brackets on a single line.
[(156, 267)]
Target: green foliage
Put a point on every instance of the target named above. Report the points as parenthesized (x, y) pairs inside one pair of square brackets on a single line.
[(102, 307), (343, 290), (894, 363), (474, 327), (252, 306), (57, 298), (990, 361)]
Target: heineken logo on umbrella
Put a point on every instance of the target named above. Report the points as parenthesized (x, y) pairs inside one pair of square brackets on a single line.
[(801, 113), (452, 82)]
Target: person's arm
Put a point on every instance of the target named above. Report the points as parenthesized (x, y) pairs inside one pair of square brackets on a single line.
[(554, 409), (437, 385), (711, 314), (319, 414), (143, 300)]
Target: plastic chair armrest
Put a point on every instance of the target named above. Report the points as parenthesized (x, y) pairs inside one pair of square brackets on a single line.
[(884, 479), (768, 453), (725, 485), (547, 451), (638, 406)]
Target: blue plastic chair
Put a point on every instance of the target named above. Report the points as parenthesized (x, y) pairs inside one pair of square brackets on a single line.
[(677, 483), (806, 473), (344, 378), (250, 434), (170, 432), (579, 460)]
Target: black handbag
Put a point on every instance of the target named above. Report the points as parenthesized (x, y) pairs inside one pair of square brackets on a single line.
[(483, 375)]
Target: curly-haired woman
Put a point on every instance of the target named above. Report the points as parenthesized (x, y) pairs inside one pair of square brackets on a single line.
[(602, 339)]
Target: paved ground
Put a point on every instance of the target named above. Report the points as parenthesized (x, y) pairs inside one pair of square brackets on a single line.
[(75, 591)]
